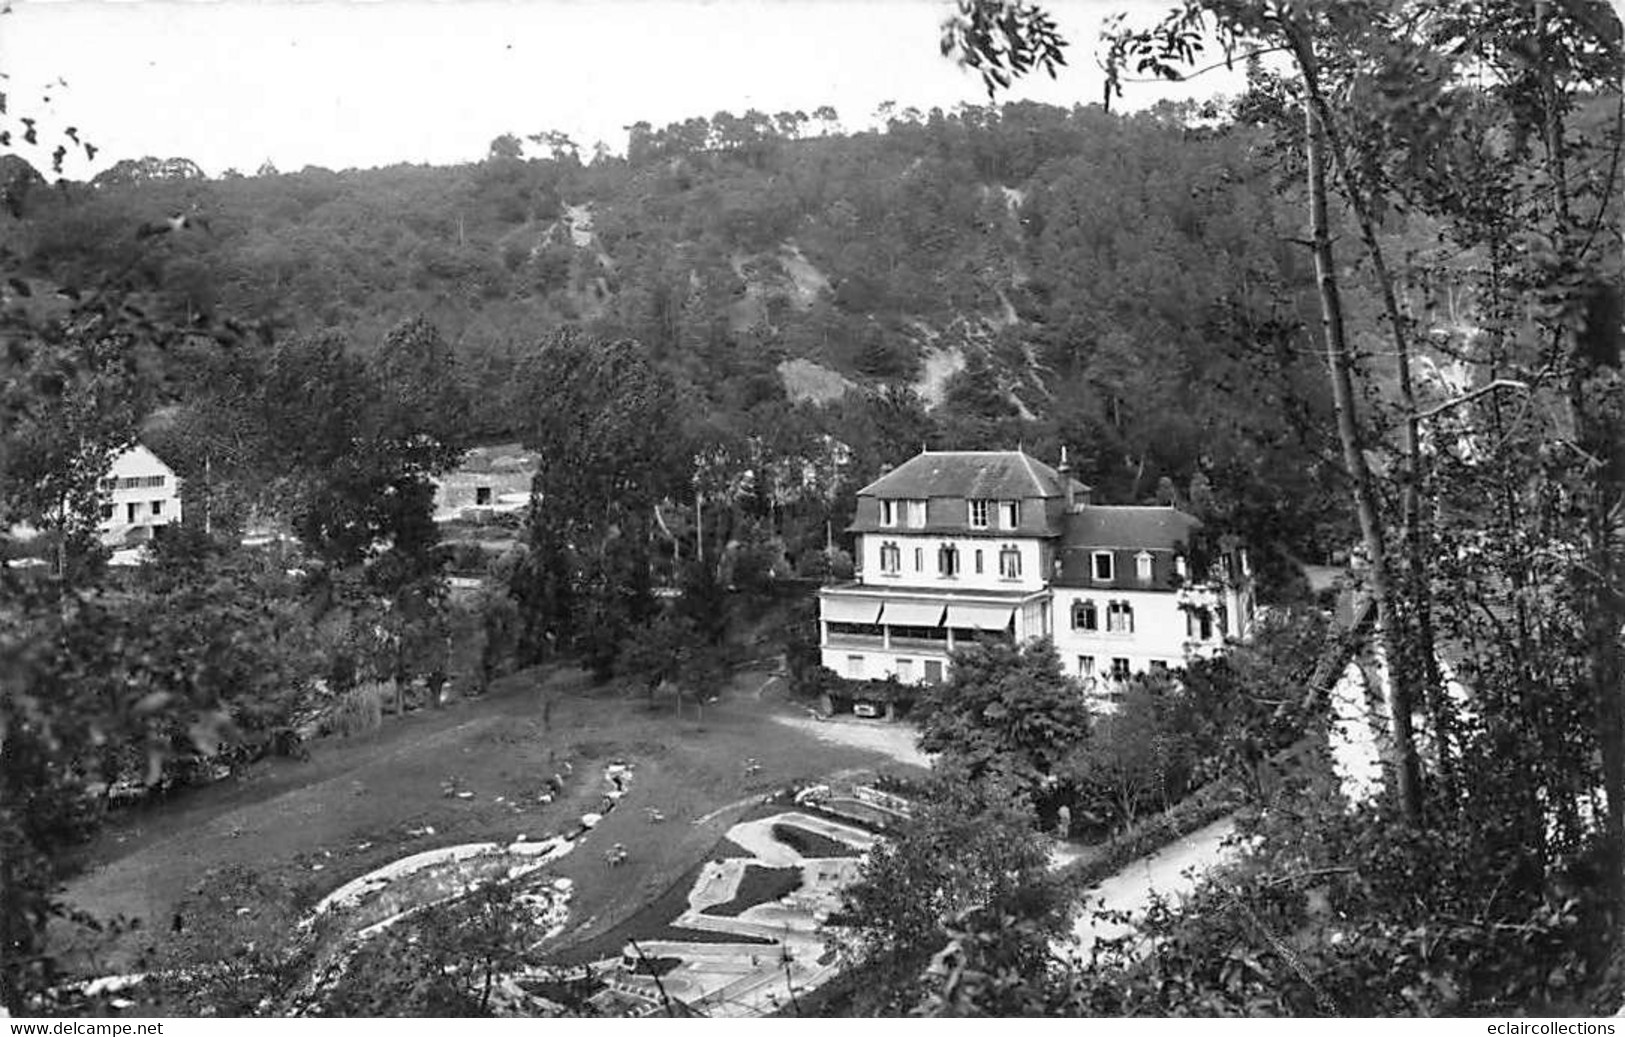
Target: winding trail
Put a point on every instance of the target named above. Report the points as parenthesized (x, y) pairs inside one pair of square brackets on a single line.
[(895, 739), (1171, 871)]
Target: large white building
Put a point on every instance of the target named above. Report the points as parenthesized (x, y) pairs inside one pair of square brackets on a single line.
[(956, 546), (140, 494)]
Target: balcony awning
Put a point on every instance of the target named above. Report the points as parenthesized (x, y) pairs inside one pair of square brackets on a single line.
[(912, 614), (850, 610), (981, 617)]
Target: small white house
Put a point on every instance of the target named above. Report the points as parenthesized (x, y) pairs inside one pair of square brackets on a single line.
[(492, 480), (140, 494)]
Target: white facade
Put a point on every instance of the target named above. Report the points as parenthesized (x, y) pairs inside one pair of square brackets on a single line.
[(1012, 564), (1133, 631), (139, 494), (909, 613), (874, 634)]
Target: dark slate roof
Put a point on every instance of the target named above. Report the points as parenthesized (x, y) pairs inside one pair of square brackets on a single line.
[(972, 474), (1122, 525)]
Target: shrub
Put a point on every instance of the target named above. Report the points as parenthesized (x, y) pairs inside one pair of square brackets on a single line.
[(899, 786), (811, 844), (813, 681), (656, 966), (813, 565), (468, 559), (760, 885), (361, 709)]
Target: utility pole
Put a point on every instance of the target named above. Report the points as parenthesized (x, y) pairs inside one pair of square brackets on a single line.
[(648, 966), (699, 525), (785, 958)]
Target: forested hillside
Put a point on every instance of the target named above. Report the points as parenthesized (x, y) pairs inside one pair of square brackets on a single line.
[(1127, 286)]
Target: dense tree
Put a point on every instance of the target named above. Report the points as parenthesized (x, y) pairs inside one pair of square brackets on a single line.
[(1006, 710), (604, 421), (1138, 759), (450, 963), (104, 685), (95, 682), (970, 847)]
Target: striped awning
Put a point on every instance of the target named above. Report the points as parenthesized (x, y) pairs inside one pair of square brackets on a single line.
[(851, 610), (912, 614), (981, 617)]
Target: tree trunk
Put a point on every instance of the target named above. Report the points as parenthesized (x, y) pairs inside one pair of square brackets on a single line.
[(12, 914), (1599, 353), (1419, 612), (1338, 360), (1611, 719), (1600, 432)]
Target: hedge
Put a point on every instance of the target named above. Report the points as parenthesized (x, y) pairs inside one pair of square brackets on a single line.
[(821, 680)]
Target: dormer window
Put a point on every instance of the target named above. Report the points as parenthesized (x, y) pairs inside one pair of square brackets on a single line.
[(907, 513), (1142, 566), (1009, 514), (1101, 564), (979, 512)]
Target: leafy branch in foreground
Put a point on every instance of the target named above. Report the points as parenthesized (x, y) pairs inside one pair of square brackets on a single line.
[(1003, 40)]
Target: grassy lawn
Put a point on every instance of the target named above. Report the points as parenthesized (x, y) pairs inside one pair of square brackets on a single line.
[(255, 852)]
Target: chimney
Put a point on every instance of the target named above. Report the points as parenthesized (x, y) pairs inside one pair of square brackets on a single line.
[(1065, 472)]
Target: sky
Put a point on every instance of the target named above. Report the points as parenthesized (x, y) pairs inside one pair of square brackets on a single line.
[(360, 83)]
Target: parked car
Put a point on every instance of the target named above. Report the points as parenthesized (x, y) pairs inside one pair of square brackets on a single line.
[(866, 709)]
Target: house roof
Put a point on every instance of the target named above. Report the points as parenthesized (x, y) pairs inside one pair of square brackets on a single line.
[(136, 454), (1128, 526), (972, 474)]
